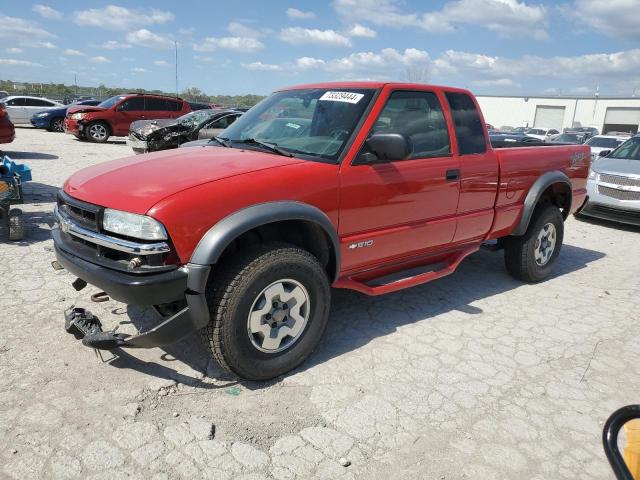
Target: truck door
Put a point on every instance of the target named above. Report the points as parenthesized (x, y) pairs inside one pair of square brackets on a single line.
[(479, 171), (397, 209)]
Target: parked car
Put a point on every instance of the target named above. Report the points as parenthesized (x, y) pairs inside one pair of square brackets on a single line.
[(153, 135), (502, 140), (21, 108), (589, 131), (575, 138), (199, 106), (542, 133), (53, 120), (115, 115), (520, 130), (7, 130), (600, 143), (372, 186), (613, 186)]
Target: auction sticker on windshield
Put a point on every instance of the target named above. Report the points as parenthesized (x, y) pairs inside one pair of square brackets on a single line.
[(348, 97)]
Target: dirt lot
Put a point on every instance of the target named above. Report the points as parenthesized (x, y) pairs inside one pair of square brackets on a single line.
[(473, 376)]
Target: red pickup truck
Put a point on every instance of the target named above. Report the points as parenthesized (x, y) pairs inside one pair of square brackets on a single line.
[(368, 186)]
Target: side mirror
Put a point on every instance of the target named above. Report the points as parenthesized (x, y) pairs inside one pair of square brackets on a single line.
[(387, 147), (120, 107), (604, 153)]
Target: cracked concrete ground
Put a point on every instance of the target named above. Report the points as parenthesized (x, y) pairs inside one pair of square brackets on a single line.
[(473, 376)]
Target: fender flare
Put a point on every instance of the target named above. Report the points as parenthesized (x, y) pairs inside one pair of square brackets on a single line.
[(220, 235), (535, 192)]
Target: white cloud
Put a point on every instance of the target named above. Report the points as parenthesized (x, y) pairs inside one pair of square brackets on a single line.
[(139, 70), (505, 17), (39, 44), (99, 59), (358, 30), (238, 44), (114, 45), (47, 12), (499, 82), (200, 58), (114, 17), (146, 38), (298, 35), (615, 18), (238, 29), (261, 66), (13, 50), (20, 30), (161, 63), (296, 14), (21, 63), (73, 53), (386, 64)]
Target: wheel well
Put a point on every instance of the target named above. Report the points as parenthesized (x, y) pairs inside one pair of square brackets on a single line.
[(304, 234), (558, 194)]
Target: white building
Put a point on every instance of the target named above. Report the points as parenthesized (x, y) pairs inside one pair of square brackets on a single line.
[(605, 113)]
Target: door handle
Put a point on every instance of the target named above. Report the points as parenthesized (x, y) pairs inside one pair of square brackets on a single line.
[(452, 175)]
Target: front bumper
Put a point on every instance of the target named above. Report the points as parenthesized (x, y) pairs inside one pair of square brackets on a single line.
[(136, 144), (74, 127), (42, 122), (623, 209)]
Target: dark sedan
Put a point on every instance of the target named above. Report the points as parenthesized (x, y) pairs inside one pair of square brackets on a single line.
[(53, 120), (154, 135)]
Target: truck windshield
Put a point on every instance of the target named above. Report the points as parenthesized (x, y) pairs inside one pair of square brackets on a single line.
[(629, 150), (315, 122)]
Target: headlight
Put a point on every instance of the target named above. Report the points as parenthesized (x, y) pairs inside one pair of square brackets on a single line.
[(77, 116), (42, 115), (132, 225)]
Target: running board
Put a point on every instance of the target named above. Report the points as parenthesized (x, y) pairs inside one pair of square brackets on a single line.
[(406, 278)]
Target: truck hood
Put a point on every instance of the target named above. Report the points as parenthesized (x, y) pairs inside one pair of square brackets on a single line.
[(617, 166), (135, 184)]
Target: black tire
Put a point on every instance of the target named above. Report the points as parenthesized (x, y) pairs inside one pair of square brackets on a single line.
[(56, 125), (519, 252), (97, 132), (231, 294), (16, 225)]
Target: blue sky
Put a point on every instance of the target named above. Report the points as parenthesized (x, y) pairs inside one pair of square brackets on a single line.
[(489, 46)]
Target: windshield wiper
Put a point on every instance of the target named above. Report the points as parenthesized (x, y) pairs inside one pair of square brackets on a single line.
[(269, 146), (222, 141)]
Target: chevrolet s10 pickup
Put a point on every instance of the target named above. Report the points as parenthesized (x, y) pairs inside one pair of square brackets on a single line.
[(373, 187)]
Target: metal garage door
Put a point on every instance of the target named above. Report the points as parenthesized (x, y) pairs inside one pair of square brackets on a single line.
[(548, 116), (622, 119)]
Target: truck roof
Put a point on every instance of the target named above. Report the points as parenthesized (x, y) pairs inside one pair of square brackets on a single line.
[(367, 84)]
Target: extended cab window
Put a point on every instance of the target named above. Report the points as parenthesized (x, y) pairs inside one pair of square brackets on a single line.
[(418, 115), (468, 126), (133, 104)]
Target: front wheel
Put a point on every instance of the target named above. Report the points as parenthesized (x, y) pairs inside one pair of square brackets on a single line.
[(97, 132), (533, 256), (56, 125), (269, 307)]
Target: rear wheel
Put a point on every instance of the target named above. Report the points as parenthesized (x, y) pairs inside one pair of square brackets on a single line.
[(269, 308), (98, 132), (56, 125), (533, 256)]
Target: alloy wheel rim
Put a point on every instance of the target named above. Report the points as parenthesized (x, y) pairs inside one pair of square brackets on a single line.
[(278, 316), (98, 132), (57, 125), (545, 244)]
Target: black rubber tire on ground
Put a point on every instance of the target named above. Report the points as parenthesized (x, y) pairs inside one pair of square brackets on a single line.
[(92, 137), (233, 288), (519, 251), (56, 125), (16, 225)]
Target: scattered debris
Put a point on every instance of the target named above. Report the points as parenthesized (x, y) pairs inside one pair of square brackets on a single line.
[(344, 462)]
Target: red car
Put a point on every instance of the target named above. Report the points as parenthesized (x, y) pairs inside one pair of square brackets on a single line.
[(115, 115), (373, 187), (7, 130)]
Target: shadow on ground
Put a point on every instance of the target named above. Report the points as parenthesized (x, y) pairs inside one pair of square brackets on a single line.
[(13, 155), (356, 319)]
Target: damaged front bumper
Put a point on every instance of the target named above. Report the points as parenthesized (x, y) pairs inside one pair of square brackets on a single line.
[(136, 144), (184, 286)]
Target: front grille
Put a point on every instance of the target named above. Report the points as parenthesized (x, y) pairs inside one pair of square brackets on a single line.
[(618, 194), (84, 214), (619, 180)]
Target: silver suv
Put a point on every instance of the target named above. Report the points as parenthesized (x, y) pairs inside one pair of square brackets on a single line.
[(613, 186)]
